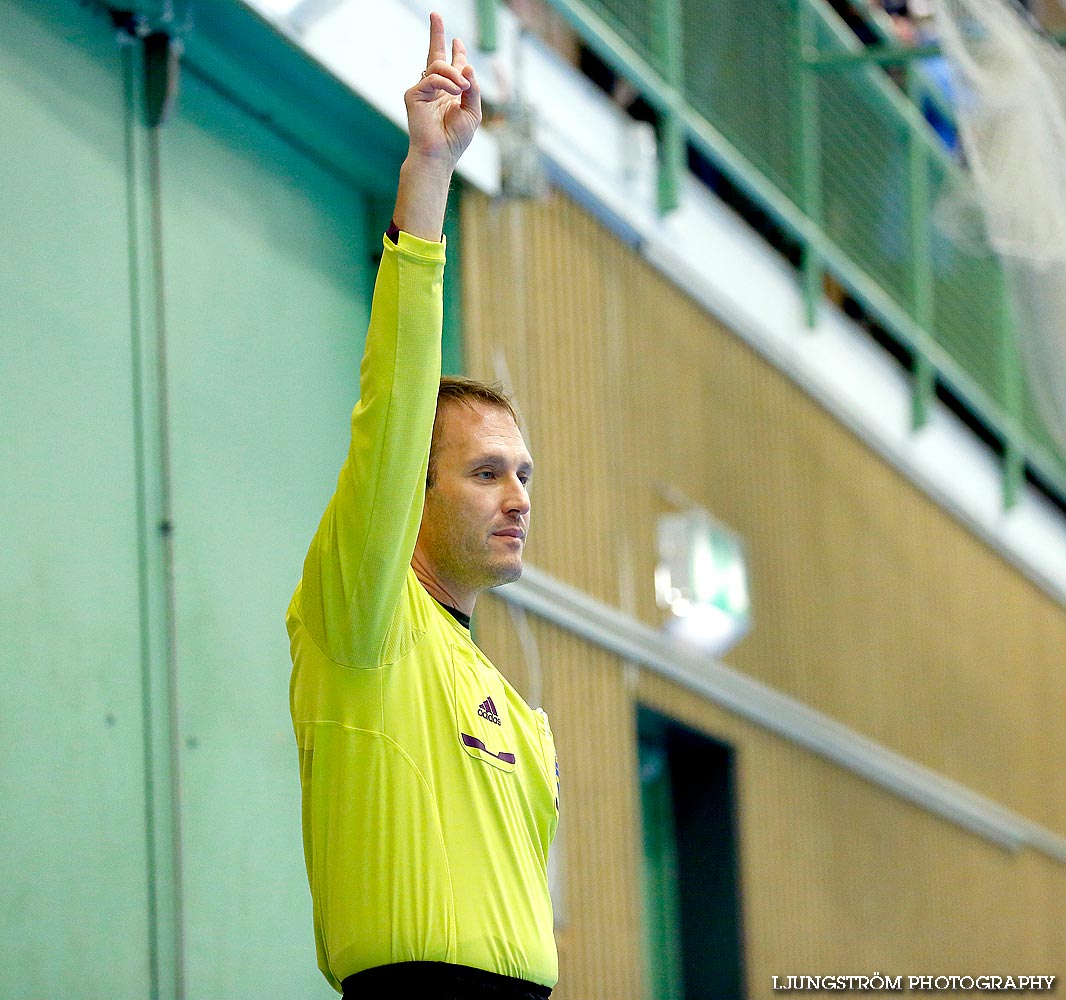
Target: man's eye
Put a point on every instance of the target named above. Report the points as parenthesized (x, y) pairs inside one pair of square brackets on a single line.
[(487, 474)]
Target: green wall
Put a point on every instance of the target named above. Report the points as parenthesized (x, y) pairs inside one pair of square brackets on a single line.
[(73, 865), (181, 320)]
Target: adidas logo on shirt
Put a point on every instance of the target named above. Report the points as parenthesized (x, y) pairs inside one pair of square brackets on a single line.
[(487, 710)]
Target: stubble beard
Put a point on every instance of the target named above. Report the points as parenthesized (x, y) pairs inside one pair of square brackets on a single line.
[(510, 573), (497, 572)]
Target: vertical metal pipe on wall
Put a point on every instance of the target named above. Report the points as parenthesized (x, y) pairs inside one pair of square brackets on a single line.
[(155, 584)]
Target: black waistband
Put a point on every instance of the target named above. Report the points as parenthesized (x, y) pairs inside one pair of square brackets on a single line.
[(439, 981)]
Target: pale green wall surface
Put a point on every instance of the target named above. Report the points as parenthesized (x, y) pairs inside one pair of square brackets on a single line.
[(265, 271), (72, 839), (265, 305)]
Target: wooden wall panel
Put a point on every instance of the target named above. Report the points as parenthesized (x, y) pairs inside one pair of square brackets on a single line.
[(584, 691), (871, 604)]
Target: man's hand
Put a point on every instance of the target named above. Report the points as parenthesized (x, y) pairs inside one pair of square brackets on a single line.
[(443, 113), (444, 107)]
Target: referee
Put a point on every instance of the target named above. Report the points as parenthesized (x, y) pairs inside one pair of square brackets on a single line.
[(430, 788)]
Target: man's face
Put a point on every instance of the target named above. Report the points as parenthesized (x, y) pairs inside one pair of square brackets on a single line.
[(476, 512)]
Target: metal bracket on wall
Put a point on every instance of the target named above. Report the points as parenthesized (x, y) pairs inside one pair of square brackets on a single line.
[(142, 17), (161, 27), (162, 75)]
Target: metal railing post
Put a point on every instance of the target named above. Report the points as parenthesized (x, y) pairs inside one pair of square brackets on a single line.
[(486, 25), (1013, 387), (670, 135), (807, 147), (922, 288)]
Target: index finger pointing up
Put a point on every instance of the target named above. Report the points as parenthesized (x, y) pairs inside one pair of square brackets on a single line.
[(437, 48)]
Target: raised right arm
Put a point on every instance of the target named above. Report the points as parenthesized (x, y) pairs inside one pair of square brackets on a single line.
[(357, 563)]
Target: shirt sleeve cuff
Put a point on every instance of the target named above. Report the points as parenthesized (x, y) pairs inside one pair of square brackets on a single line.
[(414, 245)]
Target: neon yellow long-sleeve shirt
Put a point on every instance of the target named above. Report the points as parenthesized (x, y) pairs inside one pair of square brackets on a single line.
[(429, 785)]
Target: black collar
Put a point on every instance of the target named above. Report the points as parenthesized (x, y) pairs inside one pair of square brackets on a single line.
[(458, 615)]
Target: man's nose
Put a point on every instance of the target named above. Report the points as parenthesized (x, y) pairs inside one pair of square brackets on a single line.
[(517, 498)]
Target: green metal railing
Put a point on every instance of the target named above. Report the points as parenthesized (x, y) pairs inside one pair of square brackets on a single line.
[(783, 98)]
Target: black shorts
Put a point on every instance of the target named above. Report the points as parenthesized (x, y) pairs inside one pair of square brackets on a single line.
[(438, 981)]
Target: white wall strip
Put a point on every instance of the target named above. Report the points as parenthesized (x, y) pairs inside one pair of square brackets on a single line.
[(611, 630)]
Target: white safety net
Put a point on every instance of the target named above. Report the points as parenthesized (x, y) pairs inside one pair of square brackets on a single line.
[(1010, 104)]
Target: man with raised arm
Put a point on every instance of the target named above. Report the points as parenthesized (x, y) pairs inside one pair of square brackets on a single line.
[(430, 788)]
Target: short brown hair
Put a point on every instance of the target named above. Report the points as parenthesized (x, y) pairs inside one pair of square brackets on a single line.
[(456, 389)]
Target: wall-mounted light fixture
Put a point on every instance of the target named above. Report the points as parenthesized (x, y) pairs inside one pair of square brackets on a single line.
[(701, 579)]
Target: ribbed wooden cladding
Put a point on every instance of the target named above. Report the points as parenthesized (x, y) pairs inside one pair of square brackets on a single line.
[(871, 604)]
